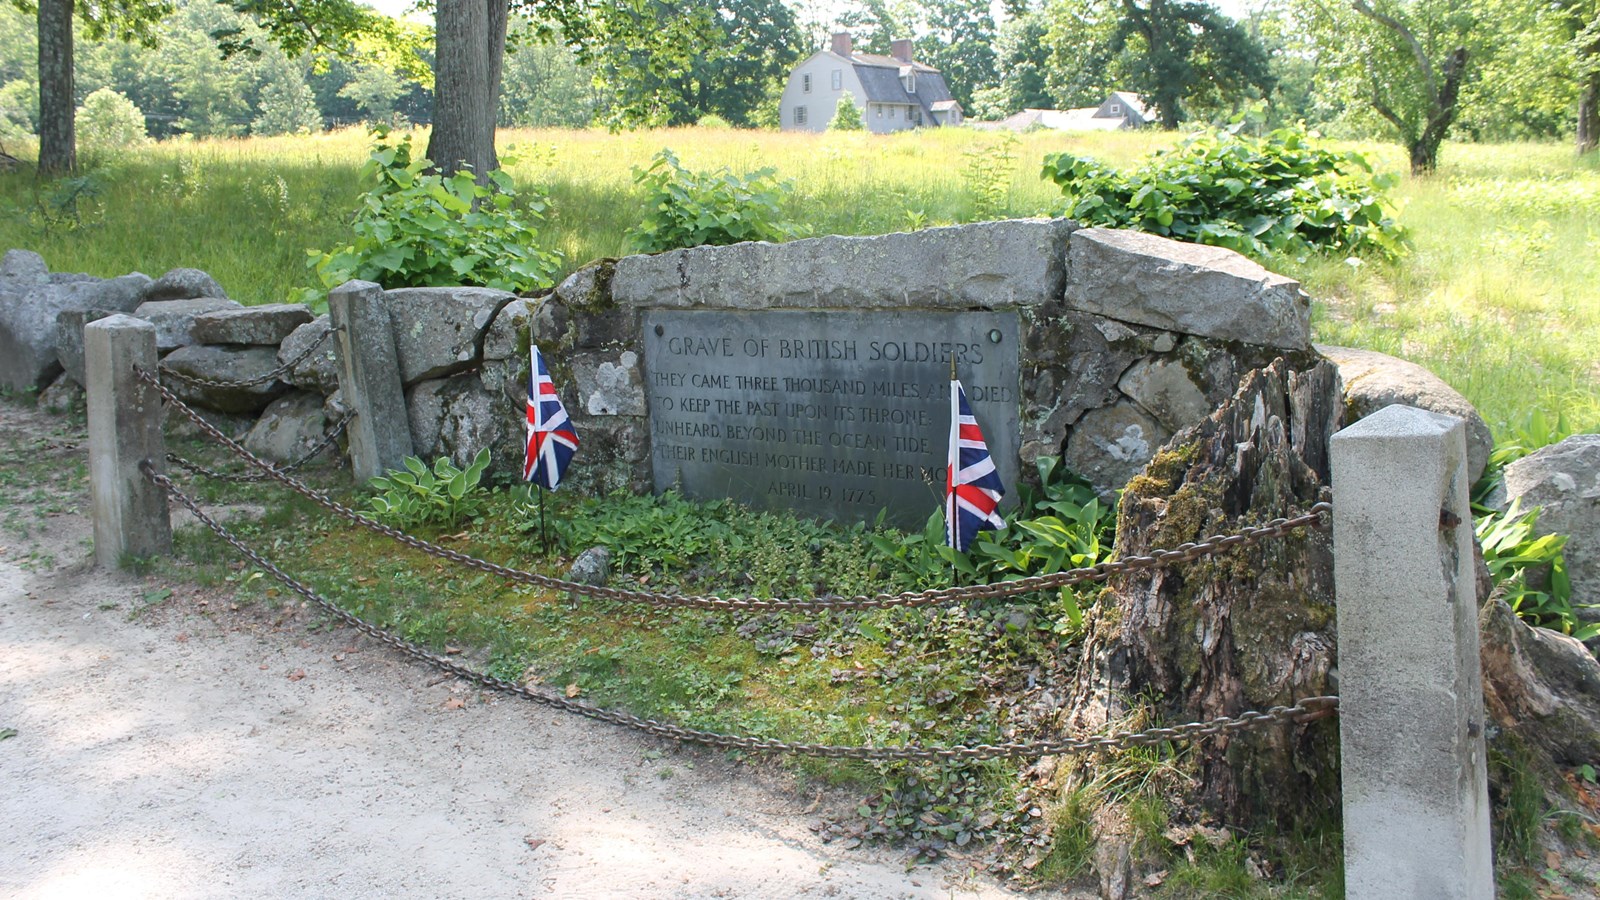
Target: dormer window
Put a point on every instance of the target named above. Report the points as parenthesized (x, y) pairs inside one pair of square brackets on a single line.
[(1116, 109), (908, 77)]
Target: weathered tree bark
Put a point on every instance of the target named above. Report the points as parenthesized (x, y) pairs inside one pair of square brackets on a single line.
[(470, 45), (57, 108), (1589, 112), (1249, 628)]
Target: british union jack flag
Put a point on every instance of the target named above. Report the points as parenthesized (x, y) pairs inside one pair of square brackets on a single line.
[(973, 488), (551, 438)]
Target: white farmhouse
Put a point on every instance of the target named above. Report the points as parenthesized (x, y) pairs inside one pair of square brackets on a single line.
[(892, 92), (1118, 111)]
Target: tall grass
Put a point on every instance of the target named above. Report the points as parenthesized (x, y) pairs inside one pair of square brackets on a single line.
[(1499, 298)]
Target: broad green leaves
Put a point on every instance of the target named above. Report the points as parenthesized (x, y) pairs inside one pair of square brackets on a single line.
[(445, 495), (415, 228), (1273, 194), (688, 209)]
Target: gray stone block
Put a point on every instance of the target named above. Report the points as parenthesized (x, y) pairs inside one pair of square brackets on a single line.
[(318, 372), (991, 265), (289, 427), (174, 319), (219, 363), (1563, 480), (1188, 288), (124, 430), (1374, 380), (262, 325), (28, 323), (455, 418), (439, 331), (609, 384), (369, 379), (500, 341), (1110, 445), (69, 339), (1164, 389), (183, 284), (22, 269)]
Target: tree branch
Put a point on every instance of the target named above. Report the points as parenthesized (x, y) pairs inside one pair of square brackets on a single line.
[(1393, 24)]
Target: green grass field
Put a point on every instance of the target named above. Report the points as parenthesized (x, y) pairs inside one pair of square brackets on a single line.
[(1498, 298)]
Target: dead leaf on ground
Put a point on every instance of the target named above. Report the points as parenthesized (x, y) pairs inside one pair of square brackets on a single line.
[(1154, 879), (297, 674), (455, 703), (533, 842), (573, 690), (452, 651), (1552, 859)]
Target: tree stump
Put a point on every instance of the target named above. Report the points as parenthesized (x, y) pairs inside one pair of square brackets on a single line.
[(1248, 628)]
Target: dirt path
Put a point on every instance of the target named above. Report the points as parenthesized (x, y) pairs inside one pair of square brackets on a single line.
[(187, 750)]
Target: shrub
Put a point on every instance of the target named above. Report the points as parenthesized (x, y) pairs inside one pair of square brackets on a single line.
[(109, 121), (846, 116), (688, 209), (987, 174), (444, 495), (714, 122), (420, 229), (1512, 553), (1257, 195)]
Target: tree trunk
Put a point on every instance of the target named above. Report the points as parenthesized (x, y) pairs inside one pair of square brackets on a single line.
[(1248, 628), (57, 107), (1589, 114), (470, 48), (1425, 150)]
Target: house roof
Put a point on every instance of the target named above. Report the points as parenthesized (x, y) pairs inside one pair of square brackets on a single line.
[(880, 78), (1082, 119), (1135, 103)]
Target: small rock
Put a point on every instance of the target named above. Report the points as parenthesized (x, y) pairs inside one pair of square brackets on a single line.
[(593, 566), (63, 395), (183, 284)]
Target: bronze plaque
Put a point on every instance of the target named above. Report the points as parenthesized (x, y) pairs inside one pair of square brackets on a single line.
[(838, 414)]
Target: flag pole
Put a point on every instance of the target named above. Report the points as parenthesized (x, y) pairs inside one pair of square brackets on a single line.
[(544, 536), (950, 471)]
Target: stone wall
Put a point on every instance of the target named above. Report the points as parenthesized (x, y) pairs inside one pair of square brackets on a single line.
[(1126, 338)]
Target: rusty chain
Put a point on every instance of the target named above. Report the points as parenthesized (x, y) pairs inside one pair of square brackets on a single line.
[(1157, 559), (284, 369), (254, 478), (1305, 710)]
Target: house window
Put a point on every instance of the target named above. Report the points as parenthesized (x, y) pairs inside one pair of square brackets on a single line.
[(838, 79), (800, 113), (891, 112), (805, 83), (1116, 109), (910, 81), (879, 108)]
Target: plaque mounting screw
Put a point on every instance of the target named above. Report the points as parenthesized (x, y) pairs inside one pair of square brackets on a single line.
[(994, 335), (660, 331)]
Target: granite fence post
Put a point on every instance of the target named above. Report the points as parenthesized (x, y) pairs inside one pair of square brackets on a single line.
[(1416, 803), (369, 380), (130, 513)]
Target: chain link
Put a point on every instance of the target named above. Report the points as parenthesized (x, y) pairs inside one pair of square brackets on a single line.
[(256, 477), (1187, 552), (284, 369), (1306, 710)]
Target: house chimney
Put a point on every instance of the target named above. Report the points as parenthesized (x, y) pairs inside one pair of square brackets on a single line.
[(841, 44), (901, 50)]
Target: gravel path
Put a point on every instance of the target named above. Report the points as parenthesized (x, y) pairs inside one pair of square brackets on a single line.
[(184, 749)]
